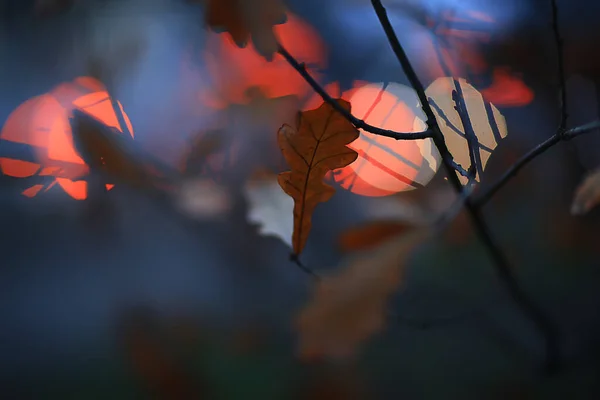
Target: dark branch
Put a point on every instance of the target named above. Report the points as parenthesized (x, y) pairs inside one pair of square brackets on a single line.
[(541, 148), (503, 270), (461, 108), (358, 123), (514, 170), (296, 260), (581, 130)]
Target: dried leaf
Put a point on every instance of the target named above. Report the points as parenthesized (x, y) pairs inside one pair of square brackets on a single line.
[(349, 307), (247, 18), (105, 149), (587, 195), (317, 145), (370, 235)]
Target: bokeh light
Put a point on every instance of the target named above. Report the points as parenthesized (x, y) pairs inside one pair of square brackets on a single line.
[(488, 123), (43, 123), (385, 166)]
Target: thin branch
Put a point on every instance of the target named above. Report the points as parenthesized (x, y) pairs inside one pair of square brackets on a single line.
[(581, 130), (561, 135), (296, 260), (358, 123), (542, 323), (472, 142), (482, 199)]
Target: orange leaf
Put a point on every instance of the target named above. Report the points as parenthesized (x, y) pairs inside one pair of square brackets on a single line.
[(587, 195), (247, 18), (371, 234), (317, 145), (349, 307)]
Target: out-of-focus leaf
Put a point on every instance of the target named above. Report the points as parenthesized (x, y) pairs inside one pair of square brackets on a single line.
[(370, 235), (270, 207), (349, 307), (587, 195), (317, 145), (146, 348), (247, 19), (106, 149)]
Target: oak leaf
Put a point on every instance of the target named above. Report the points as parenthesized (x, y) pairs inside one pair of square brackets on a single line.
[(317, 145), (350, 306), (107, 150), (245, 19), (587, 194)]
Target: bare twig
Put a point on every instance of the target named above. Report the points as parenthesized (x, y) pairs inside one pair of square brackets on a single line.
[(543, 324), (296, 260), (358, 123), (514, 170), (476, 168), (541, 148)]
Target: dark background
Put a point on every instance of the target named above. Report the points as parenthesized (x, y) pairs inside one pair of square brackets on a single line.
[(71, 287)]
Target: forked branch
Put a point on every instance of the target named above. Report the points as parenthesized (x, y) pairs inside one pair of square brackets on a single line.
[(543, 324)]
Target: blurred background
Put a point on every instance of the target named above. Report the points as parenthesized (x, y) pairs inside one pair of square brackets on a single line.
[(123, 294)]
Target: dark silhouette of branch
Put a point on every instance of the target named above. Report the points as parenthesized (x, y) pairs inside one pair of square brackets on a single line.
[(562, 134), (358, 123), (296, 260), (543, 324), (461, 108), (514, 170), (541, 148)]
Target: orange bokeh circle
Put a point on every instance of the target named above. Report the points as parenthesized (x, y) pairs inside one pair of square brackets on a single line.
[(385, 166), (43, 123)]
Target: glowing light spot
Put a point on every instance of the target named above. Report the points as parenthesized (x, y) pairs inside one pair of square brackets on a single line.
[(488, 123), (18, 168), (508, 90), (386, 166), (42, 123)]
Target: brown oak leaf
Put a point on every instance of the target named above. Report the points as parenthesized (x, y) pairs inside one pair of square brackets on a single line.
[(316, 145), (104, 149), (587, 195), (245, 19), (350, 306)]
